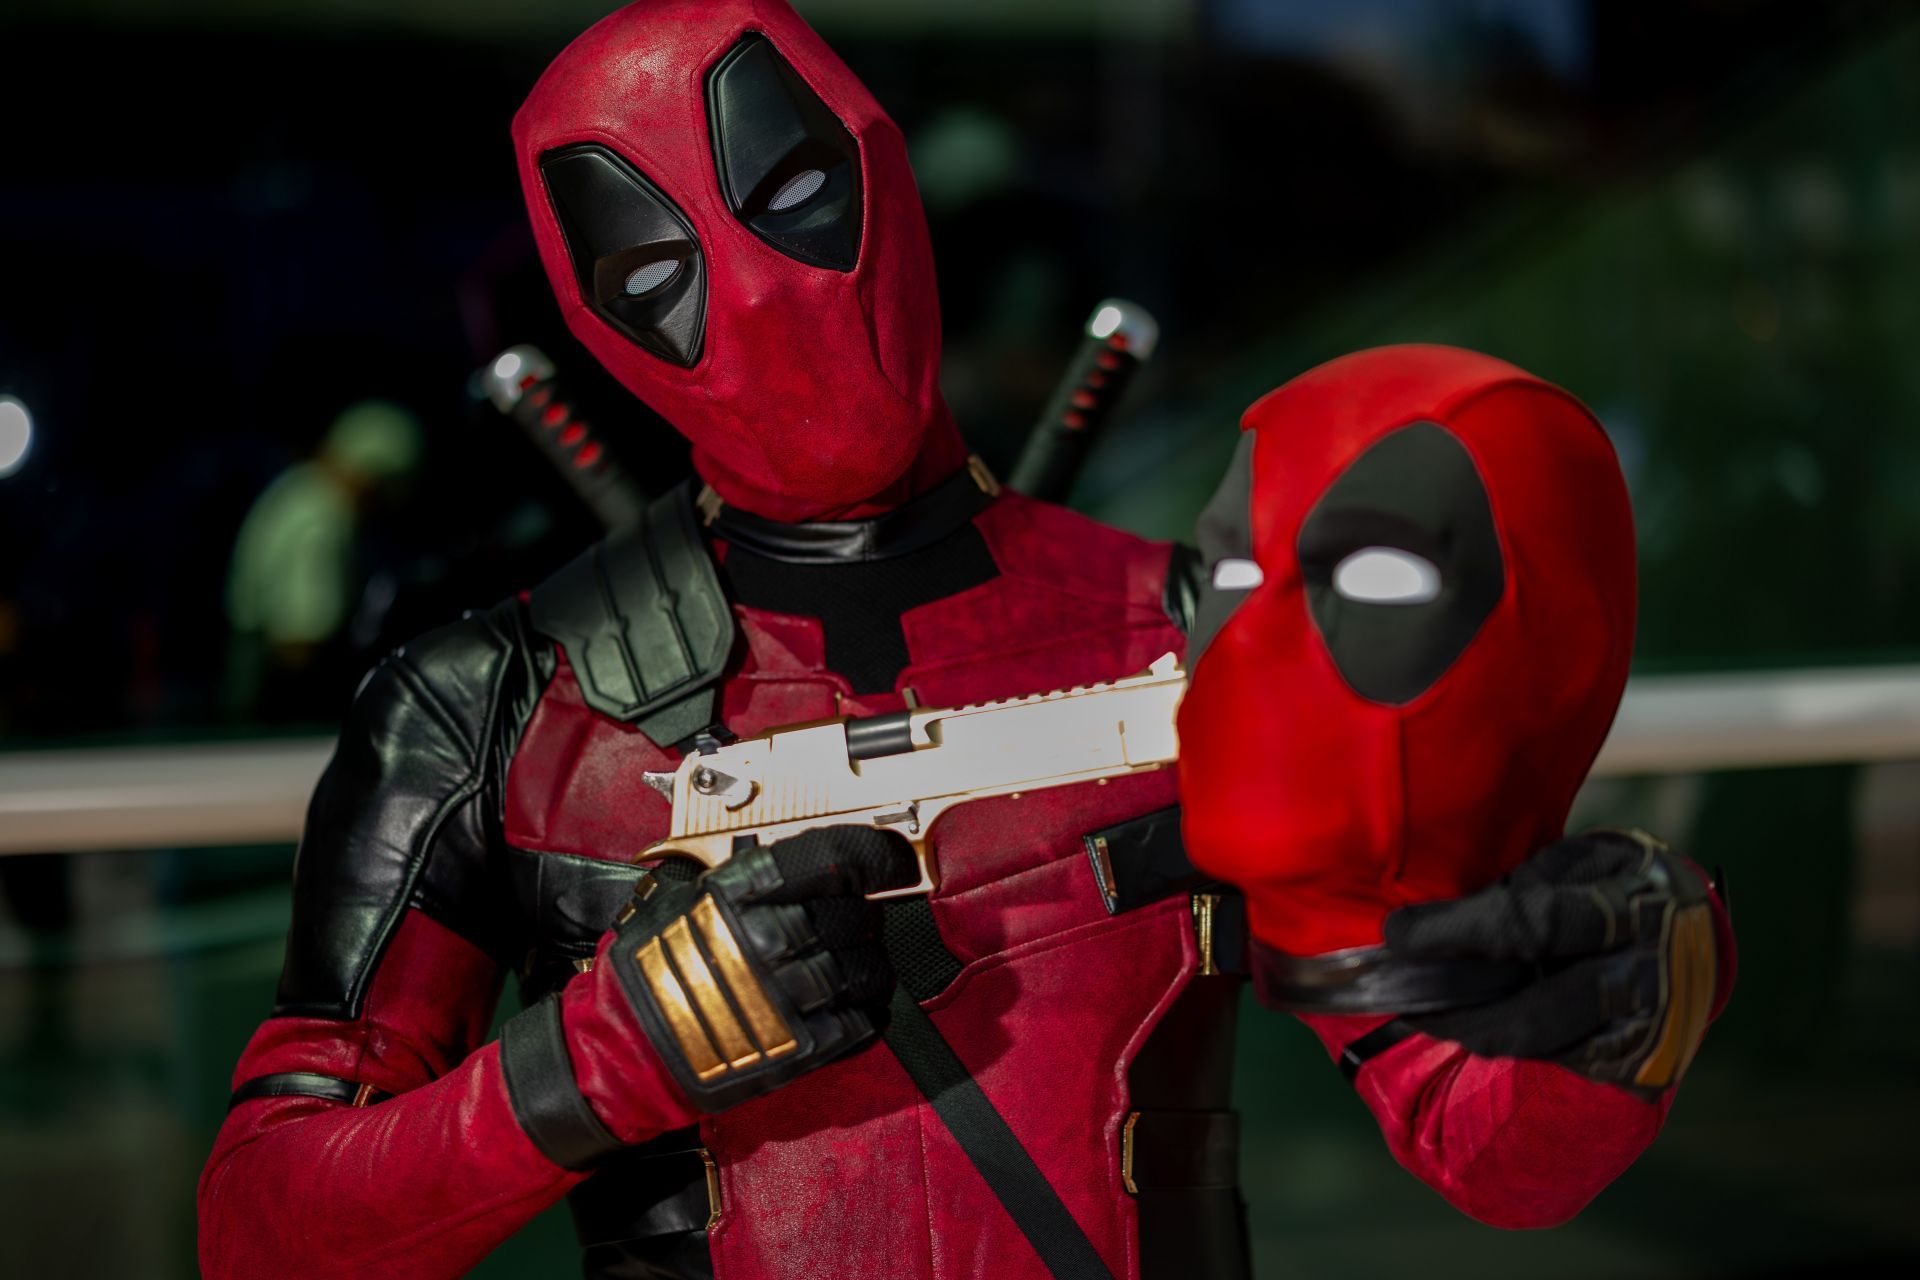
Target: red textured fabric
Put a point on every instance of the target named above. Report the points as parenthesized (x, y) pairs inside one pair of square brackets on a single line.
[(449, 1138), (1512, 1143), (1056, 995), (847, 1171), (816, 392), (622, 1079), (1330, 810), (573, 785)]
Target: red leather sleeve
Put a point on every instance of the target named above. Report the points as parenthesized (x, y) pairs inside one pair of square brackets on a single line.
[(423, 1184), (1512, 1143)]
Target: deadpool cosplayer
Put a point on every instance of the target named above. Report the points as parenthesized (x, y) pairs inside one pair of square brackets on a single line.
[(758, 1072)]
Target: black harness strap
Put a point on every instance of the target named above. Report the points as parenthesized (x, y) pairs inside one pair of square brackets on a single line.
[(307, 1084), (990, 1145), (1371, 1045)]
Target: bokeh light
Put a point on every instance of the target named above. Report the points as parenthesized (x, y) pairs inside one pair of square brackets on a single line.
[(16, 435)]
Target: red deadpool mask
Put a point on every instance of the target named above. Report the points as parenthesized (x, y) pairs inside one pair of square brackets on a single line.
[(731, 226), (1416, 638)]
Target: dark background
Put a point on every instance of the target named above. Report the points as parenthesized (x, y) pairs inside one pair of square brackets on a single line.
[(222, 223)]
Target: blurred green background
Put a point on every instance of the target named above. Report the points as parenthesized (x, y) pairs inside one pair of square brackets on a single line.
[(222, 225)]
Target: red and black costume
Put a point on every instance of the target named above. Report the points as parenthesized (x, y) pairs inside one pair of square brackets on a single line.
[(730, 224)]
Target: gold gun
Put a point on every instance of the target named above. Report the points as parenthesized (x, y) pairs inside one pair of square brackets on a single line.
[(902, 771)]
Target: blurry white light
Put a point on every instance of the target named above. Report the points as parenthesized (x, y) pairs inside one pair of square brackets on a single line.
[(1104, 322), (16, 434), (1237, 575), (507, 367), (1386, 575)]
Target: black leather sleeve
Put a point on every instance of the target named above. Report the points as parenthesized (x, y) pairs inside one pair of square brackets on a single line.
[(407, 813)]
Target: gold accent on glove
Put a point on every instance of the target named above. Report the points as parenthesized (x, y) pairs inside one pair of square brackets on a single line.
[(678, 1011), (707, 996), (699, 1004), (1692, 970), (769, 1028)]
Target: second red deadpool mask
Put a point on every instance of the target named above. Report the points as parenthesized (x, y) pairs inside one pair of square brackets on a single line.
[(1418, 633)]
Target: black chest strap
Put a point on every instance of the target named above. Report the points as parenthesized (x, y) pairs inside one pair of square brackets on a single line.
[(990, 1145)]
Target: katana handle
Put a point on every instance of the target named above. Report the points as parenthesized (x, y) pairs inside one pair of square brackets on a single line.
[(520, 382), (1120, 337)]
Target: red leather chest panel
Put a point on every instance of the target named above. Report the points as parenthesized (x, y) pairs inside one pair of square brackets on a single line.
[(849, 1172), (1055, 995)]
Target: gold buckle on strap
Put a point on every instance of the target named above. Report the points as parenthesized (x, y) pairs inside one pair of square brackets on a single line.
[(1126, 1153), (713, 1188)]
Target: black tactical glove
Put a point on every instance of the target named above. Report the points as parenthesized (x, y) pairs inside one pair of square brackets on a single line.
[(1629, 957), (765, 967)]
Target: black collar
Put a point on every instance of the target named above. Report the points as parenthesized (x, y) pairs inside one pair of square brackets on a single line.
[(917, 524)]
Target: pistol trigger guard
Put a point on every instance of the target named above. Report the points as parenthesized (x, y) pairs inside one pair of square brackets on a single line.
[(926, 884)]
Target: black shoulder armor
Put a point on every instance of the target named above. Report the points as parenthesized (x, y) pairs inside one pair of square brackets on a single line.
[(407, 813), (644, 622)]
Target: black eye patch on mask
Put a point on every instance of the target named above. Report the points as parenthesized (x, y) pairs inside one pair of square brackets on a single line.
[(635, 255), (1414, 491), (788, 168)]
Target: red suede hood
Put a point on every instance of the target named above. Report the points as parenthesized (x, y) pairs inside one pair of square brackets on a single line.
[(815, 390)]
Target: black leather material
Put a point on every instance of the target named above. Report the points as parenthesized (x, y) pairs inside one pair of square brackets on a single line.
[(828, 991), (546, 1098), (1180, 597), (304, 1084), (1415, 490), (566, 902), (1373, 980), (615, 223), (859, 601), (1192, 1219), (658, 1188), (1619, 933), (911, 527), (1371, 1045), (685, 1256), (1188, 1149), (1186, 1063), (408, 809), (1223, 532), (643, 622), (773, 135), (1143, 860)]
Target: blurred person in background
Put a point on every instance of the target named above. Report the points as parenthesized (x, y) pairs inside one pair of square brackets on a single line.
[(301, 564)]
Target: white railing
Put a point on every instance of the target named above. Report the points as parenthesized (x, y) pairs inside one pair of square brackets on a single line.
[(256, 792)]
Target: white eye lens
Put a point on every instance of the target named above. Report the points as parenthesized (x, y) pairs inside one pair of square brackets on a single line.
[(1237, 575), (1386, 575), (650, 277), (797, 190)]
